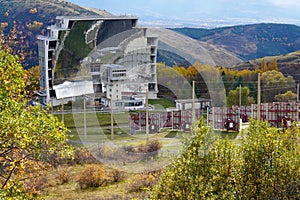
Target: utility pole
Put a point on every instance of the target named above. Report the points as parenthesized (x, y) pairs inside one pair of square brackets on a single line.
[(111, 119), (258, 97), (51, 102), (193, 102), (240, 96), (239, 110), (297, 103), (147, 117), (62, 110), (84, 116), (298, 92)]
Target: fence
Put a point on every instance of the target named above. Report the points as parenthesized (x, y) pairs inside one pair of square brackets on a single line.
[(178, 120), (276, 113)]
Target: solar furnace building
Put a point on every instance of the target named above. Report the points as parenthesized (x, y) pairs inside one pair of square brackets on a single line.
[(107, 56)]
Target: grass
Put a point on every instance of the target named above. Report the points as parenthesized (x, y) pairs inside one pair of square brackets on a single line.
[(99, 129), (165, 103), (172, 134)]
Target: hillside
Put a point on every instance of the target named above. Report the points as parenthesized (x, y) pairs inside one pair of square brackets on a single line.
[(250, 41), (287, 64), (31, 18), (178, 49)]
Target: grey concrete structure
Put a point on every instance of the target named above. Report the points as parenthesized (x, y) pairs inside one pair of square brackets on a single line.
[(112, 52)]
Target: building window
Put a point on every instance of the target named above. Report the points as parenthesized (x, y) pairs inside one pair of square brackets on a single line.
[(119, 104), (151, 86)]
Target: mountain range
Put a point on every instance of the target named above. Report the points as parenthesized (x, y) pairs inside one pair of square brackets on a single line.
[(232, 46), (250, 41)]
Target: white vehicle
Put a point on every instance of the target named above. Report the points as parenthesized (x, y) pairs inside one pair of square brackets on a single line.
[(134, 105)]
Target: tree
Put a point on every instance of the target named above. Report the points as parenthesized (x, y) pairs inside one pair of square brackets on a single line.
[(273, 83), (28, 135), (170, 80), (263, 165), (289, 95), (32, 80), (234, 96), (263, 65), (273, 65)]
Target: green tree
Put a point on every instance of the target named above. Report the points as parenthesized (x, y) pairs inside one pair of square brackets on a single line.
[(270, 163), (263, 165), (28, 135), (274, 83), (171, 81), (289, 95), (234, 96)]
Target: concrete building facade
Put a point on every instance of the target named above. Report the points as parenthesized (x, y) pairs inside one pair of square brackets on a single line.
[(111, 55)]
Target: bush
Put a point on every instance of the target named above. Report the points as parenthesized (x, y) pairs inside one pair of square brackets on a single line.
[(62, 174), (83, 156), (92, 176), (153, 146), (128, 149), (143, 182), (117, 175)]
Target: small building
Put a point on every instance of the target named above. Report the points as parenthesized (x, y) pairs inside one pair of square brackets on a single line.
[(187, 104), (113, 80)]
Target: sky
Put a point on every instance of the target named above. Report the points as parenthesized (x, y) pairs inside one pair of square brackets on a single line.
[(201, 13)]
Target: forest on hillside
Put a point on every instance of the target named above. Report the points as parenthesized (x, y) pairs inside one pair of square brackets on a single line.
[(275, 85)]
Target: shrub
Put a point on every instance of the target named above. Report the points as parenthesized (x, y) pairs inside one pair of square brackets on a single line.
[(62, 174), (153, 146), (128, 149), (117, 175), (83, 156), (144, 182), (92, 176)]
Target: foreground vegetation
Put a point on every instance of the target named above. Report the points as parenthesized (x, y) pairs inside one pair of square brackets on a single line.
[(261, 163), (264, 165), (30, 138)]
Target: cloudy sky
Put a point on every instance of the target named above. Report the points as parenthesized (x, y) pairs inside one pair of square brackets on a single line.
[(201, 12)]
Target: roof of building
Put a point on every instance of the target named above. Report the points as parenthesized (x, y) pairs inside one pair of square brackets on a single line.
[(95, 17), (114, 66), (191, 100), (73, 89)]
